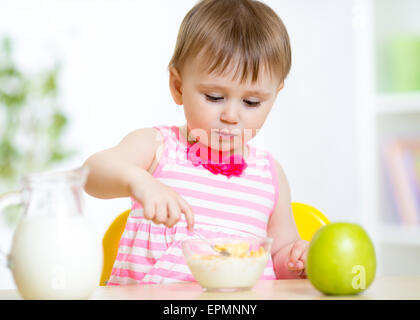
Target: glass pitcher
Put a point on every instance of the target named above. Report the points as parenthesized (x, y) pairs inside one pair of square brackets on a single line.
[(54, 254)]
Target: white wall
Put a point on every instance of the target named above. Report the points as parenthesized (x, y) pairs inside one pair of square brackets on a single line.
[(114, 80)]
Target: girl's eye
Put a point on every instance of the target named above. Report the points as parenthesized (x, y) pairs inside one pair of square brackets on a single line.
[(213, 98), (250, 103)]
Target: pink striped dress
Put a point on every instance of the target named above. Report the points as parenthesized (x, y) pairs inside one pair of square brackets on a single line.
[(223, 207)]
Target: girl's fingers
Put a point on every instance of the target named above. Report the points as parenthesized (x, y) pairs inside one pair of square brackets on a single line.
[(174, 212), (298, 265), (187, 211), (302, 273), (298, 255), (299, 272), (149, 211), (161, 215), (168, 213), (296, 252)]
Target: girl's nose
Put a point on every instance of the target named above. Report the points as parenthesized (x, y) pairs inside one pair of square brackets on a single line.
[(230, 114)]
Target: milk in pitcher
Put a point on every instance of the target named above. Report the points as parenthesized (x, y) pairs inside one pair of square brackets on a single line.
[(55, 257)]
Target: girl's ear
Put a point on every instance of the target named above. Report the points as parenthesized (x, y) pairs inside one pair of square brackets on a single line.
[(175, 85)]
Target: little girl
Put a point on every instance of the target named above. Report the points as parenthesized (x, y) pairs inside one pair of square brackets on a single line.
[(229, 64)]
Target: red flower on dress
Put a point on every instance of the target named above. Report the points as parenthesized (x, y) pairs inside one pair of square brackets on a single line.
[(234, 166)]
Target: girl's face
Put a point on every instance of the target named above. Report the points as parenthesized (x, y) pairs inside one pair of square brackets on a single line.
[(223, 113)]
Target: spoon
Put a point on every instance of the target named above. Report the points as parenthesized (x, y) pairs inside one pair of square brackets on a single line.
[(221, 252)]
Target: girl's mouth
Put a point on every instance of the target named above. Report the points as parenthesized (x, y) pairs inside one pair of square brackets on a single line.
[(225, 136)]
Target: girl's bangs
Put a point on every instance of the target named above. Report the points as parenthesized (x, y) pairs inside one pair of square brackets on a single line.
[(245, 65)]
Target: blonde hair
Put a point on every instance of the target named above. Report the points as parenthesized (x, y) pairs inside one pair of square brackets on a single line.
[(245, 31)]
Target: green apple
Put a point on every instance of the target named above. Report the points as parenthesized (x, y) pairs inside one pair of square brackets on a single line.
[(341, 259)]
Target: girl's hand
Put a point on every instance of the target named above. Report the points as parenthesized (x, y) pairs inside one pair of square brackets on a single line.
[(297, 258), (161, 203)]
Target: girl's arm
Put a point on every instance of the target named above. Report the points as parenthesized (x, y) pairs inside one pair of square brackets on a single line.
[(112, 170), (122, 171), (287, 246)]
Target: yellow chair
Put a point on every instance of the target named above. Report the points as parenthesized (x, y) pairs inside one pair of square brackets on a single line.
[(308, 221), (110, 243)]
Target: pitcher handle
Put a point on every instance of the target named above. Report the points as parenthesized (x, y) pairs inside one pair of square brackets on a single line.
[(8, 199)]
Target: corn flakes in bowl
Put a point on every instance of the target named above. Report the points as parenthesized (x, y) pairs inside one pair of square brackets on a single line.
[(238, 270)]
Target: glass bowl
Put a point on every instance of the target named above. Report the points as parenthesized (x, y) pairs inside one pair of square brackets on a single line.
[(238, 271)]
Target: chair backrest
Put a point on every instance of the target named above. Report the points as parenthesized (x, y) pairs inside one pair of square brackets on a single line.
[(110, 243), (308, 221)]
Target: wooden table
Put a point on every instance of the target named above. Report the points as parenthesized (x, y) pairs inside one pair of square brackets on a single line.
[(386, 287)]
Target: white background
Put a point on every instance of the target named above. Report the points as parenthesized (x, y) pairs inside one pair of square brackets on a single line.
[(114, 79)]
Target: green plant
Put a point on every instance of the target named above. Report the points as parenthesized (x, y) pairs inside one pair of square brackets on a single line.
[(31, 121)]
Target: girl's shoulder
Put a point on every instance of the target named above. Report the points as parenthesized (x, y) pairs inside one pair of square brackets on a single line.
[(163, 134), (141, 146)]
